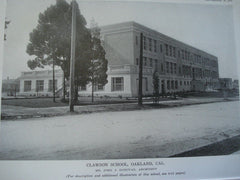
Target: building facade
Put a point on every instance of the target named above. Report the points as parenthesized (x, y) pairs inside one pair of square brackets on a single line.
[(40, 83), (10, 87), (180, 67)]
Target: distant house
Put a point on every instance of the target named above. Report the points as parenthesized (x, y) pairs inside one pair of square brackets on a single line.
[(10, 87), (225, 83), (40, 83), (235, 84)]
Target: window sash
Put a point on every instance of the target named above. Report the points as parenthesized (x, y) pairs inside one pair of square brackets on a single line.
[(27, 86), (117, 84)]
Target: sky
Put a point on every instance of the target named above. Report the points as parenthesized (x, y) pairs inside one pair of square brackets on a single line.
[(204, 26)]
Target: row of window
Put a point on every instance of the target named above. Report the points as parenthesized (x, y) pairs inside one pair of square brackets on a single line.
[(97, 87), (171, 68), (171, 84), (39, 85), (117, 84), (170, 50), (151, 45)]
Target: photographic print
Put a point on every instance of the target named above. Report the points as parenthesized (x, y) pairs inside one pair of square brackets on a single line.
[(104, 80)]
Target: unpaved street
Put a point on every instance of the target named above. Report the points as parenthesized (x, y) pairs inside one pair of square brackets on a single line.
[(128, 134)]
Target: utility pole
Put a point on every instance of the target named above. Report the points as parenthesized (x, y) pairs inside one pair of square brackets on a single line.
[(140, 71), (72, 61)]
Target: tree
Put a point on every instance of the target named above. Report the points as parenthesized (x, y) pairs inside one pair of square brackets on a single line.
[(98, 64), (5, 27), (50, 41), (155, 87)]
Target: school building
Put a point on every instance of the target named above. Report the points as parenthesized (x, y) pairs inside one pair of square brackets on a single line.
[(180, 66)]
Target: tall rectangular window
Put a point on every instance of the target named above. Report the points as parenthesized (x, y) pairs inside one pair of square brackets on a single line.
[(161, 47), (172, 84), (168, 84), (117, 84), (167, 67), (171, 68), (174, 52), (156, 64), (176, 84), (150, 44), (27, 86), (179, 70), (50, 85), (175, 68), (39, 85), (182, 54), (166, 46), (162, 68), (144, 43), (144, 61), (137, 61), (155, 45), (145, 82), (151, 62), (170, 48)]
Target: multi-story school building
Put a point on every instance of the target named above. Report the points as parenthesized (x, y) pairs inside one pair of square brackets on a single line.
[(180, 67)]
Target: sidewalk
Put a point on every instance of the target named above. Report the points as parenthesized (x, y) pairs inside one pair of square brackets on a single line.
[(17, 112)]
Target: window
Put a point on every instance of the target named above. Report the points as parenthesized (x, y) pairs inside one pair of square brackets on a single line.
[(167, 67), (82, 88), (182, 54), (50, 85), (39, 85), (156, 64), (170, 48), (174, 52), (175, 68), (166, 46), (162, 67), (172, 84), (146, 83), (160, 47), (168, 84), (171, 67), (137, 62), (178, 54), (98, 87), (180, 83), (144, 61), (150, 44), (144, 43), (176, 84), (117, 84), (180, 70), (155, 45), (151, 62), (27, 86)]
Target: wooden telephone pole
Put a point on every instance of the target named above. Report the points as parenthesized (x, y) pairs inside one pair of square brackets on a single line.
[(140, 71), (72, 61)]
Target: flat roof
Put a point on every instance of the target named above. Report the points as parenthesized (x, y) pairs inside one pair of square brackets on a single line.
[(112, 27)]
